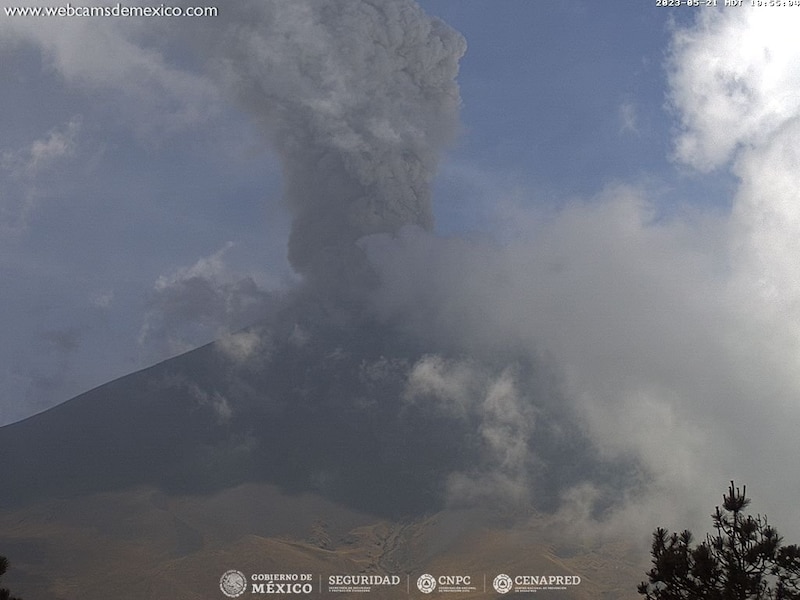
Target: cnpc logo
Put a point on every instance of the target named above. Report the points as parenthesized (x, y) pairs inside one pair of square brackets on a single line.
[(427, 583)]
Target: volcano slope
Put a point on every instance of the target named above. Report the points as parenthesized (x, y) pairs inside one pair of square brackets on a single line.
[(311, 452)]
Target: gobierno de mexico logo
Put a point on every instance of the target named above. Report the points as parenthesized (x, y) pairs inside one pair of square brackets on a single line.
[(233, 583)]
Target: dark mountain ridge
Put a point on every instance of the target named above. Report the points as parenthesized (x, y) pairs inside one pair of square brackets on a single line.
[(316, 404), (307, 419), (299, 450)]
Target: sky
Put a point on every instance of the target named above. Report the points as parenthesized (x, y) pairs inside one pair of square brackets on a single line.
[(614, 190), (111, 186)]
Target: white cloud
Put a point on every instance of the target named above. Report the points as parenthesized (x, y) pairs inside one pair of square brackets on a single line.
[(629, 118), (215, 401), (33, 158), (665, 354), (197, 304), (57, 144), (469, 391), (32, 172), (206, 268), (122, 57), (687, 355), (241, 346), (735, 81), (102, 299), (451, 384)]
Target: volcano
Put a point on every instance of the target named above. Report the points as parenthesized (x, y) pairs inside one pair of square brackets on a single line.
[(333, 448), (304, 456), (311, 419)]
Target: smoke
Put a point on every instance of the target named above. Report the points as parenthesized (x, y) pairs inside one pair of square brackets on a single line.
[(195, 305), (752, 72), (601, 360), (463, 390), (674, 337), (358, 99)]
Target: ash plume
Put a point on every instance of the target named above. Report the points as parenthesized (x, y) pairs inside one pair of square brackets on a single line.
[(333, 390), (603, 354), (358, 98)]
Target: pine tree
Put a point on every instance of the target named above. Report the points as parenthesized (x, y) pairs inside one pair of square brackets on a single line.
[(4, 593), (744, 559)]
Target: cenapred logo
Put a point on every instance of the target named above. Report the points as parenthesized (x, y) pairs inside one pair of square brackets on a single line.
[(426, 583), (533, 583), (502, 584), (233, 583)]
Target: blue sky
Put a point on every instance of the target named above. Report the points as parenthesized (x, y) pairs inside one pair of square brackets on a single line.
[(560, 98), (545, 88), (626, 172), (570, 97)]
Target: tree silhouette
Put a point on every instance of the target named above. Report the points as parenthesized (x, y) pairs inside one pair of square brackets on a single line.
[(4, 593), (745, 559)]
